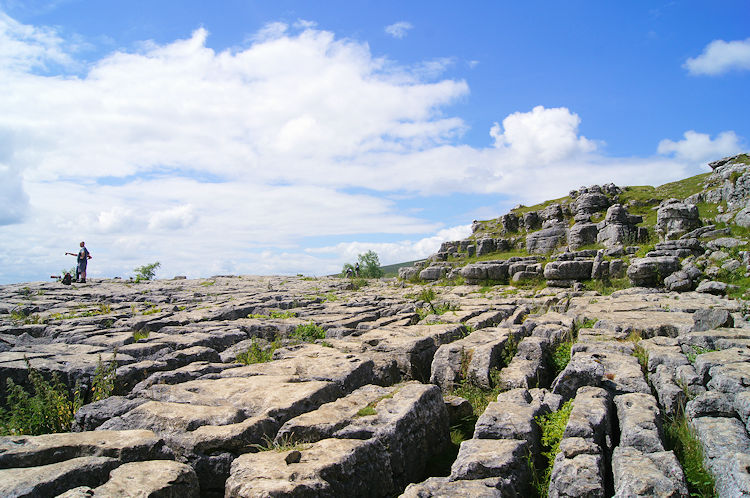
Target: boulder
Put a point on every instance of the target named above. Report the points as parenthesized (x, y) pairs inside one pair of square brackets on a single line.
[(644, 272), (618, 227), (546, 239), (568, 270), (582, 234), (675, 218), (712, 318)]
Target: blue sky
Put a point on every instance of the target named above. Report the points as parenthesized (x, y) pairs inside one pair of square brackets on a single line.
[(288, 136)]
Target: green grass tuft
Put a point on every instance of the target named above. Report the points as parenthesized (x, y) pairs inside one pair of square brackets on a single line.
[(681, 439), (309, 332)]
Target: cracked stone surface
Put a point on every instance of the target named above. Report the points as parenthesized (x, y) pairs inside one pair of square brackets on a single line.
[(367, 410)]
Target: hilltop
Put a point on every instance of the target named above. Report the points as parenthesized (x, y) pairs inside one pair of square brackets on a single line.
[(592, 345)]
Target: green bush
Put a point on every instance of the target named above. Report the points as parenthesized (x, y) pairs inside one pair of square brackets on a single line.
[(103, 384), (309, 332), (256, 354), (146, 272), (369, 266), (49, 409)]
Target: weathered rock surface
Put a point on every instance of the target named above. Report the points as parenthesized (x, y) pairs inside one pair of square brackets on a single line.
[(367, 406)]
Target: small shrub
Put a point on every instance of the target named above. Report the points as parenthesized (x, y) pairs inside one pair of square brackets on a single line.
[(509, 350), (309, 332), (561, 356), (477, 396), (50, 409), (696, 350), (282, 314), (146, 272), (256, 354), (103, 384)]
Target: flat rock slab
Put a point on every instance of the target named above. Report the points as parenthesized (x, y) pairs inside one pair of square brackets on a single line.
[(484, 458), (148, 479), (331, 467), (56, 478), (721, 438), (591, 417), (307, 362), (409, 419), (279, 397), (580, 475), (124, 446), (647, 474), (413, 347), (442, 487)]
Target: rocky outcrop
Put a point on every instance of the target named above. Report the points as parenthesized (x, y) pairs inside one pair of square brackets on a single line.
[(675, 218), (619, 228), (547, 239)]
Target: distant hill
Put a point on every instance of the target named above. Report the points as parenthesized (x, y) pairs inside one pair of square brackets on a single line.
[(392, 270)]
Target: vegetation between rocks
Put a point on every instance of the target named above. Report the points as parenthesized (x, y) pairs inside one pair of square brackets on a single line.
[(257, 354), (308, 332), (51, 407), (552, 426), (681, 438)]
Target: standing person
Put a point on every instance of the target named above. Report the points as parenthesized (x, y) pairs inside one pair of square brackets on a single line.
[(83, 258)]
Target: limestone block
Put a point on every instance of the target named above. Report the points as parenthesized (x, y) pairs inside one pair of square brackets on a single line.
[(647, 474), (331, 467), (639, 422)]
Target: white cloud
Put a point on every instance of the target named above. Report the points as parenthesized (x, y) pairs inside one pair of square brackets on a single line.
[(232, 161), (700, 148), (545, 134), (394, 252), (720, 57), (25, 47), (399, 29), (13, 199), (172, 219)]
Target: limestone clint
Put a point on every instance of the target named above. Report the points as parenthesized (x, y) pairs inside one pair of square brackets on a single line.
[(83, 257)]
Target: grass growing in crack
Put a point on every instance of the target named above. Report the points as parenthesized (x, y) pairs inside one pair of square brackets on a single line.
[(140, 334), (257, 354), (509, 350), (697, 350), (286, 443), (553, 426), (308, 332), (367, 411), (479, 397), (681, 438)]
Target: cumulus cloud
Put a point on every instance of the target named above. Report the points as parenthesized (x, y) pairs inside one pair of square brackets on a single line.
[(232, 161), (172, 219), (700, 147), (546, 134), (393, 252), (720, 57), (399, 29)]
